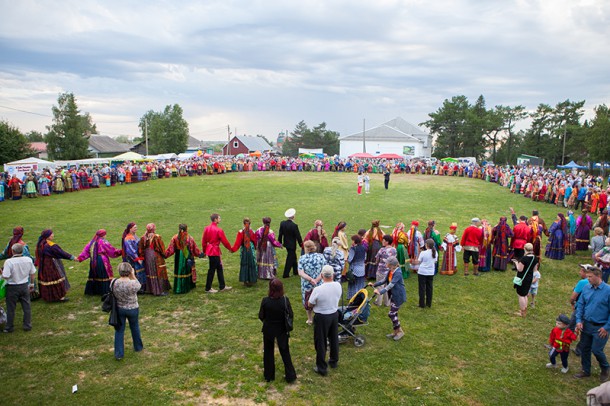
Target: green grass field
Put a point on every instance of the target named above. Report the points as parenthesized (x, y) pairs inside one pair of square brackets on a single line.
[(469, 348)]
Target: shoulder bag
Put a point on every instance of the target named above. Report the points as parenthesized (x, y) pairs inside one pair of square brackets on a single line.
[(109, 304), (287, 318), (519, 281)]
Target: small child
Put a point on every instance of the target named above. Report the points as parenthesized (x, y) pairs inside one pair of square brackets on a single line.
[(534, 287), (367, 183), (560, 338)]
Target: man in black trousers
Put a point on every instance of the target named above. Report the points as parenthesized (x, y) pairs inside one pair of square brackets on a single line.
[(289, 236)]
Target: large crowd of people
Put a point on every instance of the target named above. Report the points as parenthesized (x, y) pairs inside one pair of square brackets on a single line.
[(327, 259)]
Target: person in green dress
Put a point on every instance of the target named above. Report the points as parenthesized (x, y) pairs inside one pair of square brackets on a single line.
[(245, 241), (185, 249)]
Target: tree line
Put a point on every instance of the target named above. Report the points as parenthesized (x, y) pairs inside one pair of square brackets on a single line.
[(556, 133)]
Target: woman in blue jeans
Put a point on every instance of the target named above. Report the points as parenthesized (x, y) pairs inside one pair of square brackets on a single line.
[(125, 291)]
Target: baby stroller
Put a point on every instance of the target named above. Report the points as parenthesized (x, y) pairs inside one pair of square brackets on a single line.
[(356, 313)]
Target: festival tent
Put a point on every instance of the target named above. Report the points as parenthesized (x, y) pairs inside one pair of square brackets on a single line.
[(186, 155), (389, 156), (255, 153), (361, 155), (571, 165), (79, 162), (448, 159), (128, 156), (23, 166), (241, 155)]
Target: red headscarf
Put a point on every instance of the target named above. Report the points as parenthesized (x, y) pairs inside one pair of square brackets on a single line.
[(17, 236), (42, 240)]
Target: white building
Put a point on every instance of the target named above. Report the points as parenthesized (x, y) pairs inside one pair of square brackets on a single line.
[(394, 137)]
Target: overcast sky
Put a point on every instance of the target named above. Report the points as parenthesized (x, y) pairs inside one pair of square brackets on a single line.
[(263, 66)]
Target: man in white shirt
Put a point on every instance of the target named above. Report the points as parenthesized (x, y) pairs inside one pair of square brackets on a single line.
[(325, 300), (17, 271)]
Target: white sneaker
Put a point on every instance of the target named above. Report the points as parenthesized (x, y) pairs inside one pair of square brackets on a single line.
[(211, 291), (564, 370), (226, 288), (549, 365)]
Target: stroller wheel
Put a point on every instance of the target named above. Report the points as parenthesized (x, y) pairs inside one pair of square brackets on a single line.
[(359, 341)]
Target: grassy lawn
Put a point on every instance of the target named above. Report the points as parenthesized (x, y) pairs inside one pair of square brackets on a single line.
[(468, 348)]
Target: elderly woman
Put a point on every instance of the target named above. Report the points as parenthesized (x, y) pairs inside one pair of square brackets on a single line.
[(386, 251), (318, 235), (98, 251), (125, 290), (395, 287), (356, 259), (266, 258), (334, 257), (185, 249), (152, 249), (273, 315), (51, 273), (310, 266), (526, 266)]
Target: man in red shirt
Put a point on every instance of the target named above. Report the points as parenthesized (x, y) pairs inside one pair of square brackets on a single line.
[(522, 234), (210, 243), (603, 200), (472, 239)]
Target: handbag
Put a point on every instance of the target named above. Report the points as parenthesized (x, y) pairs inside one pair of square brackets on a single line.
[(519, 281), (109, 304), (287, 318)]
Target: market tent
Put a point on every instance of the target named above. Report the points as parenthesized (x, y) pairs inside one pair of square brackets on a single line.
[(241, 155), (448, 159), (78, 162), (128, 156), (571, 165), (23, 166), (185, 156), (255, 153), (361, 155), (389, 156)]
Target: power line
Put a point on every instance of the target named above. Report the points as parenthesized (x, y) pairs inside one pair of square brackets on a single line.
[(24, 111)]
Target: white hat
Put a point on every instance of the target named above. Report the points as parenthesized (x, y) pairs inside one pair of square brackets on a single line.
[(290, 213), (475, 220)]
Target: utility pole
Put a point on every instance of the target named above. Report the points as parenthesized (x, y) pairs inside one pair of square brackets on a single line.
[(146, 134), (363, 135), (228, 140), (563, 152)]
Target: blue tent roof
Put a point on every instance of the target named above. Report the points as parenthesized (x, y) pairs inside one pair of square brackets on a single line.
[(572, 165)]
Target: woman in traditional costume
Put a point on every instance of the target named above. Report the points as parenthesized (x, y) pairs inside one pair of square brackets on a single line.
[(99, 251), (450, 245), (30, 186), (555, 248), (129, 245), (266, 258), (432, 233), (485, 247), (318, 235), (152, 249), (51, 273), (373, 238), (500, 235), (185, 250), (416, 244), (16, 239), (15, 185), (583, 231), (245, 241), (400, 242), (344, 242)]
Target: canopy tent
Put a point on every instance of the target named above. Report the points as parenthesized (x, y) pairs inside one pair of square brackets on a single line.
[(307, 155), (389, 156), (241, 155), (23, 166), (161, 157), (79, 162), (361, 155), (186, 155), (571, 165), (129, 156), (449, 159), (255, 153)]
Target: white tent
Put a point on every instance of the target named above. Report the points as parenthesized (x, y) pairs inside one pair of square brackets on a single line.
[(79, 162), (162, 157), (23, 166), (186, 155), (128, 156)]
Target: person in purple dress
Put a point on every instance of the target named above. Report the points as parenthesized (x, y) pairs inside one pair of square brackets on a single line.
[(129, 246), (386, 251), (266, 258), (558, 235), (99, 251), (51, 273), (583, 231)]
